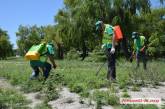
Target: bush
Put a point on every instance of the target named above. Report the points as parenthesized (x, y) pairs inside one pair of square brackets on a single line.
[(125, 95), (51, 85), (72, 54), (77, 88), (113, 99), (105, 98)]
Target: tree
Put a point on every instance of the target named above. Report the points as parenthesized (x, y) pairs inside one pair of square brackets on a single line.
[(75, 22), (28, 36), (5, 45), (51, 34)]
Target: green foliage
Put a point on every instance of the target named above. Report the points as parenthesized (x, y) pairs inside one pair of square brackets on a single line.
[(135, 88), (28, 36), (156, 46), (136, 15), (75, 70), (125, 95), (12, 99), (96, 56), (50, 87), (6, 47), (105, 98), (153, 47), (72, 54), (153, 75), (75, 30), (77, 88), (80, 78), (42, 106), (19, 73), (31, 86), (136, 106)]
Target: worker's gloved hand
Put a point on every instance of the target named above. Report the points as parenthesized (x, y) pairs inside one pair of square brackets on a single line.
[(112, 50), (103, 46)]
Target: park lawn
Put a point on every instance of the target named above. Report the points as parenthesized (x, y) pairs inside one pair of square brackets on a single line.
[(80, 77)]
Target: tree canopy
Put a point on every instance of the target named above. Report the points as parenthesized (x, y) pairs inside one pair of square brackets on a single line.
[(5, 45), (75, 25)]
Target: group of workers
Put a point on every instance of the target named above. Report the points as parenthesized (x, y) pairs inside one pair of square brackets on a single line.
[(106, 31)]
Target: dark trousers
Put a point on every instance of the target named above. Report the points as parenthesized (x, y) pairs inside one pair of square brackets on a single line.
[(46, 69), (111, 74), (141, 56)]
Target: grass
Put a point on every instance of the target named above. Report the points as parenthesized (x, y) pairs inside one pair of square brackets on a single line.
[(18, 71), (42, 106), (125, 95), (80, 77), (135, 88), (105, 98), (10, 99), (133, 106)]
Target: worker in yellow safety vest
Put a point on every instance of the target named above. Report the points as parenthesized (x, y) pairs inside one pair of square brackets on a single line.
[(139, 48), (106, 31)]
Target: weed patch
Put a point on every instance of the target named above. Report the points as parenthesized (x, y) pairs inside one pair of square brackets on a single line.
[(12, 99)]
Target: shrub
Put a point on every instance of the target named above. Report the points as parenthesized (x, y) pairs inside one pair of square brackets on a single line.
[(113, 99), (125, 95), (72, 54), (77, 88), (51, 85), (105, 98)]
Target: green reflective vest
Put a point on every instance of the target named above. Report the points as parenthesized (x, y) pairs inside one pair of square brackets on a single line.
[(47, 50), (107, 36), (139, 43)]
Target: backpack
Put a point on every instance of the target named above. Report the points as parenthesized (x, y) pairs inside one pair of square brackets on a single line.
[(118, 33), (35, 52)]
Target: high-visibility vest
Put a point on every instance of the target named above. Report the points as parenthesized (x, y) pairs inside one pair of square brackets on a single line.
[(139, 43), (108, 33)]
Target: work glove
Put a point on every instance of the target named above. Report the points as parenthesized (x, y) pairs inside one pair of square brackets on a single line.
[(103, 46), (112, 50)]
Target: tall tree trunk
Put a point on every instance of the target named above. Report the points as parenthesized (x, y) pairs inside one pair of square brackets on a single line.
[(60, 51)]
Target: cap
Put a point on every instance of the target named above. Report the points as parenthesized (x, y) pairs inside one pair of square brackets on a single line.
[(134, 35), (98, 24)]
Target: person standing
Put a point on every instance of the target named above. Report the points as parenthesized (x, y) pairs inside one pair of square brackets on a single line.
[(106, 31)]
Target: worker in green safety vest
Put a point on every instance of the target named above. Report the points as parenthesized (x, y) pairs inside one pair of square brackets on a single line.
[(106, 31), (139, 48), (47, 52)]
